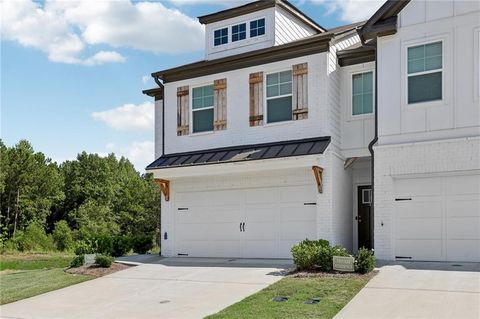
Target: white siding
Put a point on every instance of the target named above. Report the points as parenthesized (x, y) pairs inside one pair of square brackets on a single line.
[(288, 28), (458, 114), (238, 131), (357, 131), (158, 128)]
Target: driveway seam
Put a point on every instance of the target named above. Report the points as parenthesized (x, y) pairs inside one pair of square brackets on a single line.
[(197, 281), (424, 289)]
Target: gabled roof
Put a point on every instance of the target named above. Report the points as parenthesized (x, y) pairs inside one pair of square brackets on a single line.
[(257, 6), (244, 153), (384, 21)]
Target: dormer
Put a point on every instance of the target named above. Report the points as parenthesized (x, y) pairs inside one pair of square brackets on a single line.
[(257, 25)]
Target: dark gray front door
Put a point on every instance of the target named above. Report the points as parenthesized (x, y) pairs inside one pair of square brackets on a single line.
[(364, 218)]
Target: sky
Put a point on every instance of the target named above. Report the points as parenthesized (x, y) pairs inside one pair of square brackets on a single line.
[(72, 72)]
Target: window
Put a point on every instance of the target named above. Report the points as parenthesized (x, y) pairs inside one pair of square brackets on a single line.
[(362, 93), (279, 97), (366, 196), (202, 109), (425, 72), (257, 28), (239, 32), (220, 36)]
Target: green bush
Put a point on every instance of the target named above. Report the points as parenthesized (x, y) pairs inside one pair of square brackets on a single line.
[(365, 261), (121, 245), (103, 261), (104, 244), (82, 247), (325, 255), (142, 243), (305, 253), (62, 236), (33, 239), (77, 261)]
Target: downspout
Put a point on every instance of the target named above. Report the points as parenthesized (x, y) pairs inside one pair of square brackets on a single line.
[(160, 84), (372, 143)]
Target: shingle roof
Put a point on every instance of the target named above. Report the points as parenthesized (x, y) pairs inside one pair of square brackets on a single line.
[(309, 146)]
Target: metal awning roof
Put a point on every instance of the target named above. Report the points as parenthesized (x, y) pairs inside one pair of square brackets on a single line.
[(242, 153)]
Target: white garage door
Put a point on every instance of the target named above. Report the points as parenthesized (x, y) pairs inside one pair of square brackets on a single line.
[(438, 218), (244, 223)]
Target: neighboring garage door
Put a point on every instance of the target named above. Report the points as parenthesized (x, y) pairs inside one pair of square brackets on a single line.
[(438, 218), (244, 223)]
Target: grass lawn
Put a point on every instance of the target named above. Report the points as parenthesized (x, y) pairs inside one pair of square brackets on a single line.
[(335, 291), (27, 275)]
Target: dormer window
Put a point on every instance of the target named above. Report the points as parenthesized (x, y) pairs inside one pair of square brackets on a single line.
[(257, 28), (239, 32), (220, 36)]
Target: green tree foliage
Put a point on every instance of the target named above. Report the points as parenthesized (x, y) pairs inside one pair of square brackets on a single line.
[(82, 198)]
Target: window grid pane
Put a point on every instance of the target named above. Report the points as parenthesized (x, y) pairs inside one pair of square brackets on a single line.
[(220, 36), (425, 57), (279, 84), (257, 28), (239, 32), (362, 93)]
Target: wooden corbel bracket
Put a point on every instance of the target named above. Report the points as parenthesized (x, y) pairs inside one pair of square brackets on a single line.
[(164, 187), (317, 172)]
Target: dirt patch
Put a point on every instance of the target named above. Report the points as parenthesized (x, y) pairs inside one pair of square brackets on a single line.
[(97, 271), (321, 274)]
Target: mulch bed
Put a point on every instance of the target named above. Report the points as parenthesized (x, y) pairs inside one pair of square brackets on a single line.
[(333, 274), (97, 271)]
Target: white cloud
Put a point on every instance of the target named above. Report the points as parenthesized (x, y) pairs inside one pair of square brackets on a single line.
[(128, 117), (225, 3), (65, 29), (352, 10), (146, 79), (139, 153)]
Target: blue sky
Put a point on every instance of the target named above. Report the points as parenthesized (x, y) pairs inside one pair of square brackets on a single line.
[(72, 72)]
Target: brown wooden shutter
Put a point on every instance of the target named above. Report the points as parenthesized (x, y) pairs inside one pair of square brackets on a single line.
[(220, 104), (300, 91), (256, 99), (183, 110)]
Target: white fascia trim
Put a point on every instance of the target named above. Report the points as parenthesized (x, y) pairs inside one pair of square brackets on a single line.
[(239, 167), (450, 140)]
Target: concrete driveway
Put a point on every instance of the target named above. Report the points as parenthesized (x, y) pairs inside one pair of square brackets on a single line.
[(156, 288), (419, 290)]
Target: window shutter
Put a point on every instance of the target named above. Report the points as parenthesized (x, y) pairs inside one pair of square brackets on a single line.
[(183, 110), (256, 99), (300, 91), (220, 104)]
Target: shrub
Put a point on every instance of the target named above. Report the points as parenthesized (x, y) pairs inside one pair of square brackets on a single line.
[(82, 247), (325, 255), (103, 261), (104, 244), (77, 261), (62, 236), (34, 239), (365, 261), (142, 243), (121, 245), (305, 253)]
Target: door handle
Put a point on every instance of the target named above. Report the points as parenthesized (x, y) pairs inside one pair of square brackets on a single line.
[(243, 226), (240, 227)]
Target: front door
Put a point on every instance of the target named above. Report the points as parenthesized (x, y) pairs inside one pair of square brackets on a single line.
[(364, 218)]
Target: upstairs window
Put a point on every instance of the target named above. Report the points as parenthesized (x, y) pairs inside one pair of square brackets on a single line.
[(202, 109), (362, 93), (279, 97), (425, 68), (239, 32), (220, 36), (257, 28)]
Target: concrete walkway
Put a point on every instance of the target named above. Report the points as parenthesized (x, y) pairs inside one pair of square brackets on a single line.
[(419, 290), (156, 288)]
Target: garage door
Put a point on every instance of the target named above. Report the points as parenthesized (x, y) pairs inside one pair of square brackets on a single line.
[(438, 218), (244, 223)]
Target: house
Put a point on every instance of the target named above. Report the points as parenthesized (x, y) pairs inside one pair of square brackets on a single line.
[(367, 135)]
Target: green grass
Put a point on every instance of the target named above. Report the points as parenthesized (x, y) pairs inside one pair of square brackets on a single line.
[(34, 261), (24, 284), (335, 292)]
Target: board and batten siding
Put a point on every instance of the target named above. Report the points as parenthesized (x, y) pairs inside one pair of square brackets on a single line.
[(288, 28), (456, 24)]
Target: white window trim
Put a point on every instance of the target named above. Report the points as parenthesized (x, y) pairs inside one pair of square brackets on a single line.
[(350, 115), (192, 133), (258, 36), (228, 36), (265, 99), (405, 74)]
